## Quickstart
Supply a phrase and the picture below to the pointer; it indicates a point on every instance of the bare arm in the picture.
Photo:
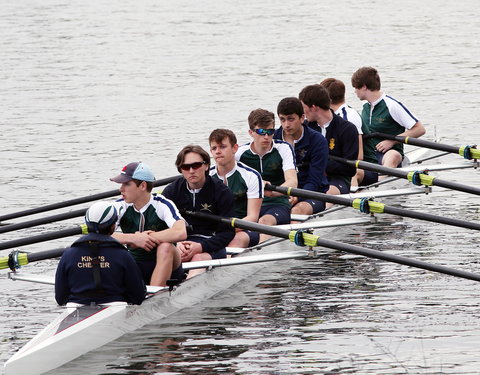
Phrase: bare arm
(149, 239)
(290, 181)
(178, 232)
(253, 209)
(416, 131)
(360, 147)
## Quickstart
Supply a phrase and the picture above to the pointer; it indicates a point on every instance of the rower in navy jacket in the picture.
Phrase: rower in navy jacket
(197, 191)
(311, 154)
(97, 268)
(341, 136)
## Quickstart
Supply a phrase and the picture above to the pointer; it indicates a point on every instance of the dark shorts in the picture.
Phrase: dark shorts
(147, 267)
(281, 213)
(219, 254)
(369, 178)
(341, 184)
(254, 238)
(380, 155)
(317, 206)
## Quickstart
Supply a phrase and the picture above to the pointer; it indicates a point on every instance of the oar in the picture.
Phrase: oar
(468, 152)
(45, 220)
(81, 229)
(367, 206)
(16, 259)
(308, 239)
(418, 178)
(72, 202)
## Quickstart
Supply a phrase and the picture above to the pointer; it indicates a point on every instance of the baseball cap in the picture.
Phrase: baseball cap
(136, 170)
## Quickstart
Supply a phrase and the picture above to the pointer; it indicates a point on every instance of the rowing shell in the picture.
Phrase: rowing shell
(81, 329)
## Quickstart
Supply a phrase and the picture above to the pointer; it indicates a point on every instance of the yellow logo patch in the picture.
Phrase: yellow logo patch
(331, 144)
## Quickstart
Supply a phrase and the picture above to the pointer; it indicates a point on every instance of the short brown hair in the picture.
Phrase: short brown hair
(336, 90)
(366, 76)
(218, 135)
(315, 95)
(261, 118)
(149, 184)
(191, 148)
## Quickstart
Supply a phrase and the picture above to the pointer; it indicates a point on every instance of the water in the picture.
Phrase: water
(90, 86)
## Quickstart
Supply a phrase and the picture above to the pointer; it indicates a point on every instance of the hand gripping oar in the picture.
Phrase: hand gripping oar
(16, 259)
(468, 152)
(417, 178)
(367, 206)
(307, 239)
(81, 229)
(72, 202)
(44, 220)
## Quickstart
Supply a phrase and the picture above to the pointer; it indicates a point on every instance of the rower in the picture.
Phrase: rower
(275, 161)
(341, 136)
(149, 225)
(311, 154)
(384, 114)
(197, 191)
(336, 91)
(97, 268)
(245, 183)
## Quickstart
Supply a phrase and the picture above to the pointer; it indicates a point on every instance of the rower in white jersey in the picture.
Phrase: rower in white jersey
(244, 182)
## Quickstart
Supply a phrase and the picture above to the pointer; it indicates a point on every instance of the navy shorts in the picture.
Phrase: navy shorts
(317, 206)
(281, 213)
(254, 238)
(369, 178)
(147, 266)
(341, 184)
(219, 254)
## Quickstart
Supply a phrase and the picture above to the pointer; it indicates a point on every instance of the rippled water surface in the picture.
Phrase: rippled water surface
(90, 86)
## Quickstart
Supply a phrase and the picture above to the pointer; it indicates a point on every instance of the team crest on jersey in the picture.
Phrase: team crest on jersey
(302, 152)
(206, 207)
(331, 144)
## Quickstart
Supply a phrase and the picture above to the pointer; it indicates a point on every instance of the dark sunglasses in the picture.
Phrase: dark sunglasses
(264, 131)
(196, 165)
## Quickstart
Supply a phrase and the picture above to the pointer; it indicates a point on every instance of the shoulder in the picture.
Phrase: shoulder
(243, 148)
(282, 145)
(245, 169)
(309, 133)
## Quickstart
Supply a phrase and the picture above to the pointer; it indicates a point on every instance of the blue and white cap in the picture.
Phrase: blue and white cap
(99, 216)
(136, 170)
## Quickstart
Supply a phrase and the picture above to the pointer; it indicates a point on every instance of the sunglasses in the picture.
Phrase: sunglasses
(196, 165)
(264, 131)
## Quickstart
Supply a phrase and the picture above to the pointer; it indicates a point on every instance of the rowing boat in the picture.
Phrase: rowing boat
(81, 329)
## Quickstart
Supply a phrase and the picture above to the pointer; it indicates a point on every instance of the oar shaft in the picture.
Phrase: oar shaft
(45, 220)
(72, 202)
(43, 237)
(384, 208)
(243, 224)
(428, 180)
(427, 144)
